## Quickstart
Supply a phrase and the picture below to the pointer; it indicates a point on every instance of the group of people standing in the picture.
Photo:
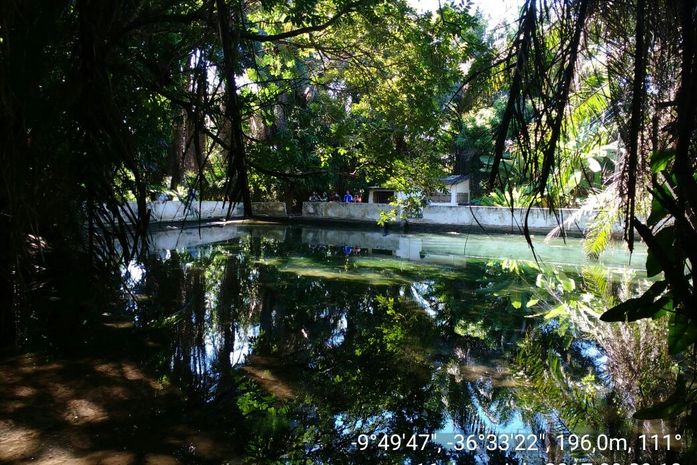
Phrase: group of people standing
(347, 197)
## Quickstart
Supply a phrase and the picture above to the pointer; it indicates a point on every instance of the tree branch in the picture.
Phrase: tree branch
(279, 174)
(248, 35)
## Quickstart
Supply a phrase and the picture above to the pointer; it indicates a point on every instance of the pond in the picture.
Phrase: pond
(315, 345)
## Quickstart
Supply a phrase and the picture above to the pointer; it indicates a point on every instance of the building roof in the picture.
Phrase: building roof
(453, 179)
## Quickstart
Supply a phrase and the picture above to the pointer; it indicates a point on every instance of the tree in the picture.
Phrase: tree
(651, 52)
(330, 106)
(102, 102)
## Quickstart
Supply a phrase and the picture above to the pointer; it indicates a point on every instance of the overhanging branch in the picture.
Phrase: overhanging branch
(248, 35)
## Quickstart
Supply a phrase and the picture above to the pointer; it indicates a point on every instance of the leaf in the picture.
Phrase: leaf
(539, 281)
(594, 165)
(574, 179)
(563, 331)
(682, 333)
(637, 309)
(531, 302)
(644, 306)
(568, 284)
(668, 409)
(516, 304)
(555, 365)
(599, 233)
(661, 159)
(652, 266)
(658, 212)
(555, 312)
(664, 238)
(460, 328)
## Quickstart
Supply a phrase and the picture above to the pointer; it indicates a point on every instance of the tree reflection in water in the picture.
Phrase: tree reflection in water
(296, 350)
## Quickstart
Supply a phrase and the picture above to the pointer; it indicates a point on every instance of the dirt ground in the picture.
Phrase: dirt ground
(97, 410)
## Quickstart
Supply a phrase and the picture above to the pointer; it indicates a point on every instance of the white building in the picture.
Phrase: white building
(377, 194)
(457, 192)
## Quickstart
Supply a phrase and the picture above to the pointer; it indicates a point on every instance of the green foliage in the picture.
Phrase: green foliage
(565, 106)
(268, 424)
(600, 231)
(672, 407)
(332, 106)
(573, 307)
(98, 118)
(509, 196)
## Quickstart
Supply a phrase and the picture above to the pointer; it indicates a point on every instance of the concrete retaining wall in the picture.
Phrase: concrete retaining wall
(495, 219)
(172, 210)
(504, 219)
(498, 219)
(364, 212)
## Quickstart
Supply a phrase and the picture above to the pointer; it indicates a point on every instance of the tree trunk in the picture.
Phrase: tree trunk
(237, 182)
(7, 302)
(176, 150)
(467, 163)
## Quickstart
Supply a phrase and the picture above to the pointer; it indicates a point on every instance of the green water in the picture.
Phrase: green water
(311, 345)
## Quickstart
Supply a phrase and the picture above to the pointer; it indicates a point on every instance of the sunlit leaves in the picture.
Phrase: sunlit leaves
(594, 165)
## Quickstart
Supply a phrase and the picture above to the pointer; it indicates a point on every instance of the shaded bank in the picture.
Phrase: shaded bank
(103, 406)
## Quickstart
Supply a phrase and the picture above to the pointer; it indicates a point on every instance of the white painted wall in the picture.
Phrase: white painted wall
(502, 218)
(462, 187)
(371, 194)
(173, 210)
(345, 211)
(459, 188)
(493, 218)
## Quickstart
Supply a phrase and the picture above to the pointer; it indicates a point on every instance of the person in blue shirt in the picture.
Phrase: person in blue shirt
(348, 198)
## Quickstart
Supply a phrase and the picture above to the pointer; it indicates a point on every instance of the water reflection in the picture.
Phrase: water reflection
(298, 345)
(447, 249)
